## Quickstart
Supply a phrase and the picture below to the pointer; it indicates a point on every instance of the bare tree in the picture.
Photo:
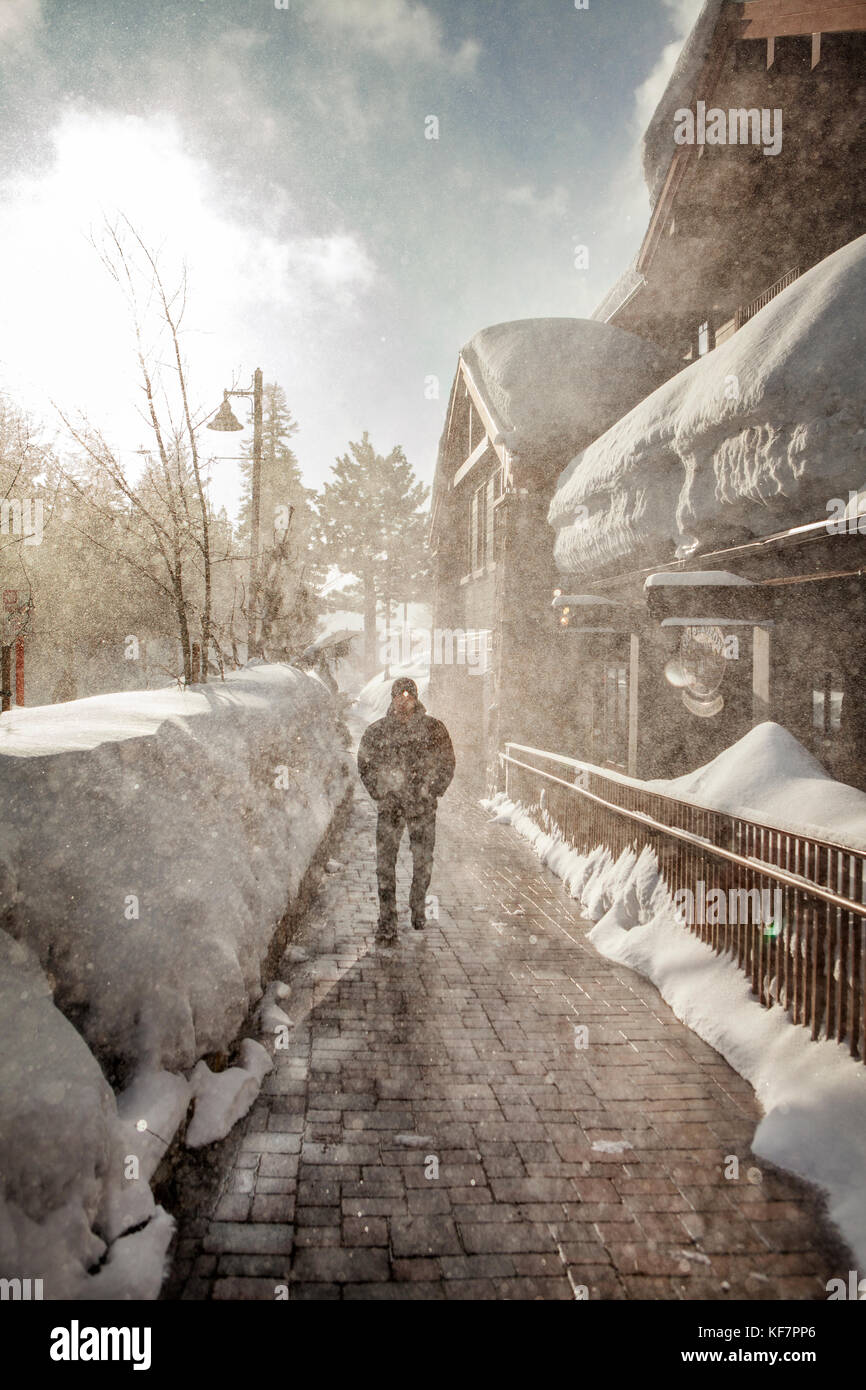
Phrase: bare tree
(163, 514)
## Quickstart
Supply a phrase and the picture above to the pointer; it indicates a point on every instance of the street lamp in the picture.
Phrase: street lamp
(225, 420)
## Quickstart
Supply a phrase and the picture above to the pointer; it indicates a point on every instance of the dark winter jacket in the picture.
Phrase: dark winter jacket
(410, 760)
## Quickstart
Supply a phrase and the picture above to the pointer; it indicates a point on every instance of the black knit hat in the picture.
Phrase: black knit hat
(401, 684)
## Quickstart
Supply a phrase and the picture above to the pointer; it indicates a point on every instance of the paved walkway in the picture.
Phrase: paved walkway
(434, 1132)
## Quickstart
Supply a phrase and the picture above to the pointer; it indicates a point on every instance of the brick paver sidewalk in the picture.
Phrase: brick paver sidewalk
(433, 1131)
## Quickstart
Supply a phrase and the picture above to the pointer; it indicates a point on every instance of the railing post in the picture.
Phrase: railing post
(813, 963)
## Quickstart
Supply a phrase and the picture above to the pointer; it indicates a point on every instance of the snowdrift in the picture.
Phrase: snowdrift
(151, 843)
(152, 840)
(813, 1094)
(767, 775)
(57, 1126)
(374, 699)
(756, 436)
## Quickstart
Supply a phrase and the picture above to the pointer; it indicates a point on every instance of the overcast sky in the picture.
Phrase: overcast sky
(281, 154)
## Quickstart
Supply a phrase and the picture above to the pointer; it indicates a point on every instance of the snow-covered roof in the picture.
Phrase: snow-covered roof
(755, 437)
(695, 579)
(658, 146)
(552, 383)
(619, 294)
(586, 601)
(658, 141)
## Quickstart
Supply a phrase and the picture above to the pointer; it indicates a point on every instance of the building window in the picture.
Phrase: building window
(827, 696)
(481, 522)
(475, 530)
(616, 715)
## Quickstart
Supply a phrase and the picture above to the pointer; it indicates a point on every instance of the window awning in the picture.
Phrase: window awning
(707, 598)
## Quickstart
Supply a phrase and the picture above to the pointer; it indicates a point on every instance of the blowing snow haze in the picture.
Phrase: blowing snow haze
(432, 686)
(285, 155)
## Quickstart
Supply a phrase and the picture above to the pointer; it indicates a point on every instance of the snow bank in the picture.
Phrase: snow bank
(554, 382)
(62, 1179)
(153, 840)
(768, 776)
(813, 1094)
(222, 1098)
(374, 699)
(756, 436)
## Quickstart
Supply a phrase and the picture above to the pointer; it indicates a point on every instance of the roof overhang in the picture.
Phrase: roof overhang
(708, 598)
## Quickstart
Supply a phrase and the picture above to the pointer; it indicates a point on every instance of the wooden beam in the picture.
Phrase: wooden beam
(661, 211)
(768, 19)
(491, 425)
(480, 448)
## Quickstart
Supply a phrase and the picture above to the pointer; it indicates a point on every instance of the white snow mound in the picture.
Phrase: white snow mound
(769, 776)
(152, 842)
(754, 437)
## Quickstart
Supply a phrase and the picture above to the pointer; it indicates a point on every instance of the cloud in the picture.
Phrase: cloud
(19, 20)
(396, 30)
(552, 205)
(648, 95)
(64, 332)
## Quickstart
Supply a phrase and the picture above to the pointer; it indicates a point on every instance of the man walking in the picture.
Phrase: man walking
(406, 762)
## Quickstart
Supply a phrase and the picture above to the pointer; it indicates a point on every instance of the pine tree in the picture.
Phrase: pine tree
(290, 572)
(373, 526)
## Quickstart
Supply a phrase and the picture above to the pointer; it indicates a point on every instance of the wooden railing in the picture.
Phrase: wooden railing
(809, 957)
(748, 311)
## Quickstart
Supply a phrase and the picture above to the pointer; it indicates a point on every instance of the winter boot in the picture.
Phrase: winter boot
(386, 932)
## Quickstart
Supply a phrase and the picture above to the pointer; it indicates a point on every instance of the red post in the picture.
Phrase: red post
(19, 671)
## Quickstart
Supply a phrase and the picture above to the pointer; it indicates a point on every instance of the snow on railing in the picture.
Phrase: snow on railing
(807, 953)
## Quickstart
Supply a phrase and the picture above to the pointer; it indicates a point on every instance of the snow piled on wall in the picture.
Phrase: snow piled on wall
(756, 436)
(151, 843)
(813, 1094)
(552, 383)
(375, 698)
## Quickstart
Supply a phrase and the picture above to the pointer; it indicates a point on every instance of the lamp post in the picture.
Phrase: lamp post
(226, 420)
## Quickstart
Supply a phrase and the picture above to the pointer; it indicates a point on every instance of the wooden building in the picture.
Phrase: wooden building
(710, 518)
(731, 225)
(525, 397)
(701, 587)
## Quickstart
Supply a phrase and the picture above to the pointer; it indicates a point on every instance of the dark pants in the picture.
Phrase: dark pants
(393, 819)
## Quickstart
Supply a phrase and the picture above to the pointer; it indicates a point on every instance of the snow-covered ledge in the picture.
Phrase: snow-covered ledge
(757, 435)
